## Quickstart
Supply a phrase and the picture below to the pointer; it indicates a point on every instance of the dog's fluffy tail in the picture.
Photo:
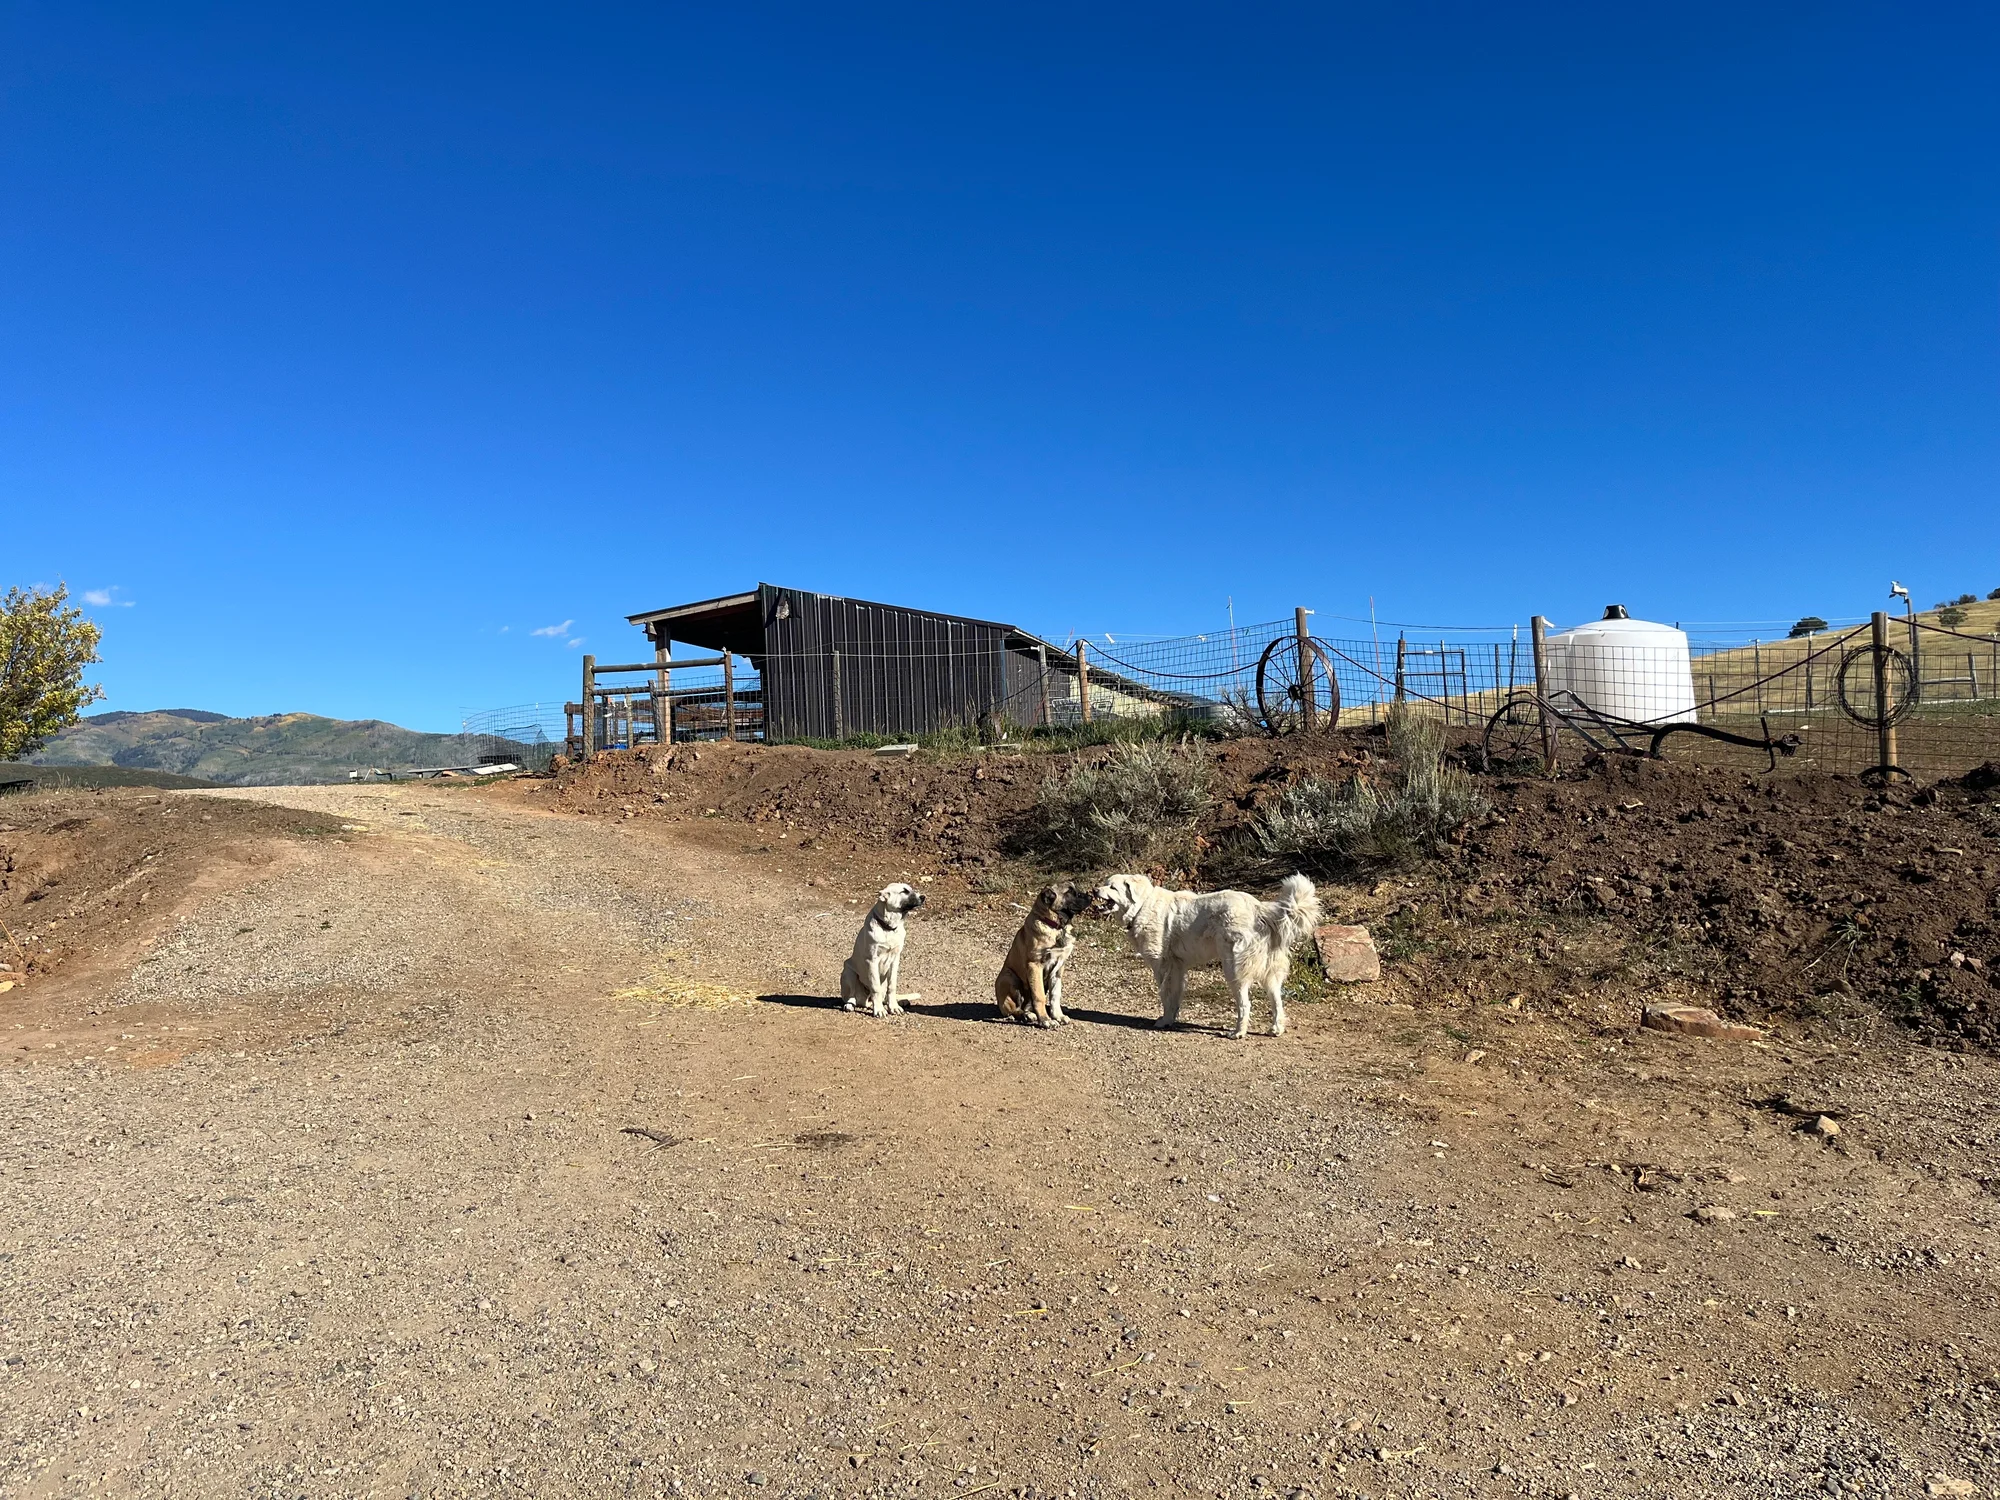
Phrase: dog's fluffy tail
(1293, 915)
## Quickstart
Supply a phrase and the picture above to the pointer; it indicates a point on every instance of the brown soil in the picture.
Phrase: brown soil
(1803, 899)
(401, 1241)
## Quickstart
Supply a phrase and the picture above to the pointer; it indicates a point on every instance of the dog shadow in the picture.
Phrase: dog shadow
(956, 1010)
(980, 1012)
(1109, 1018)
(802, 1002)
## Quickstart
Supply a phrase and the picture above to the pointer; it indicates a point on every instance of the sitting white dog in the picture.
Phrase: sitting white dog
(870, 976)
(1250, 940)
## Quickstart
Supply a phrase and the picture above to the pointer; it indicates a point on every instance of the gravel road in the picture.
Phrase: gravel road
(331, 1192)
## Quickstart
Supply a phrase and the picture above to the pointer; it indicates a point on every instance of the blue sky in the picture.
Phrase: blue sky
(343, 351)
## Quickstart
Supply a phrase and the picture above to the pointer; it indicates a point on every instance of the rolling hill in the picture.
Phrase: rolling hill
(278, 750)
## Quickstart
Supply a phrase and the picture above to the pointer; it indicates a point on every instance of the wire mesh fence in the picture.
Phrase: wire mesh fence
(1904, 694)
(529, 734)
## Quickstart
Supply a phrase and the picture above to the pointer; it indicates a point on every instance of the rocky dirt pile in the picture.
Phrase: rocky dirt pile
(83, 872)
(1773, 896)
(1799, 898)
(965, 811)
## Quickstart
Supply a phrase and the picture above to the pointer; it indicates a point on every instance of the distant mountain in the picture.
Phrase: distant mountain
(282, 749)
(197, 715)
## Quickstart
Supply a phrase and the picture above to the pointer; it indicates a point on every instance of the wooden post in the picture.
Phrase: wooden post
(1538, 629)
(663, 705)
(839, 718)
(1083, 677)
(1308, 699)
(1444, 678)
(1757, 658)
(1972, 675)
(589, 706)
(1042, 664)
(570, 745)
(1916, 655)
(728, 697)
(1402, 649)
(1885, 731)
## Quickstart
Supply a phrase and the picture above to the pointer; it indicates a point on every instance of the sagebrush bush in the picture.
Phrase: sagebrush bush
(1141, 802)
(1360, 824)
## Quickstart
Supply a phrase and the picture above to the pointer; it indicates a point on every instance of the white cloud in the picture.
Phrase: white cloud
(577, 642)
(102, 598)
(554, 630)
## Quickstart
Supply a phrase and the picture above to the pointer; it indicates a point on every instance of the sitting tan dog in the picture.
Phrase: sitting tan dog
(1032, 975)
(870, 976)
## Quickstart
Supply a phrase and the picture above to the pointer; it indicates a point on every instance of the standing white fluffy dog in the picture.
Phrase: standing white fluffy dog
(870, 976)
(1250, 940)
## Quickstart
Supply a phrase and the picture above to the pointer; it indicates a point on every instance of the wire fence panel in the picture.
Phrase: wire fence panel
(528, 733)
(1924, 700)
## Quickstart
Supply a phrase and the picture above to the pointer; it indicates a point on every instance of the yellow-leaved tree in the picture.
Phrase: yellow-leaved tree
(45, 643)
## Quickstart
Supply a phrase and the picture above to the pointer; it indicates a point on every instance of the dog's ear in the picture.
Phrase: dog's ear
(888, 894)
(1051, 895)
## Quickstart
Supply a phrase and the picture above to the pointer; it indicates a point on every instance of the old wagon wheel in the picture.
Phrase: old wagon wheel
(1290, 700)
(1856, 686)
(1513, 737)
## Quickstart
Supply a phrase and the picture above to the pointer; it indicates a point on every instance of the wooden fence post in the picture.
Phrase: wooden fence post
(1083, 677)
(589, 706)
(1538, 629)
(1042, 663)
(1885, 729)
(1402, 649)
(1307, 698)
(663, 704)
(728, 697)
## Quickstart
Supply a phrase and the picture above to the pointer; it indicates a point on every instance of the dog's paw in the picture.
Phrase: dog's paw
(1163, 1024)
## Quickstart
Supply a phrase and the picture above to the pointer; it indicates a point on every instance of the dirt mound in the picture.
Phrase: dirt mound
(964, 811)
(1776, 895)
(82, 873)
(1806, 897)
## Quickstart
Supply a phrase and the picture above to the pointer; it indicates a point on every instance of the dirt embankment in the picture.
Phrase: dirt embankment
(88, 874)
(1809, 899)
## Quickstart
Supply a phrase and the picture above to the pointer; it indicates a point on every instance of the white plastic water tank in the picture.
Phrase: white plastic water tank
(1624, 668)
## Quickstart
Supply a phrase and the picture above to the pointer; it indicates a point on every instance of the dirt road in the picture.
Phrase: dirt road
(326, 1189)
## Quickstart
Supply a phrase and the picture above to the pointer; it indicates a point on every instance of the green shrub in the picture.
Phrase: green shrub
(1951, 617)
(1807, 626)
(1361, 824)
(1140, 803)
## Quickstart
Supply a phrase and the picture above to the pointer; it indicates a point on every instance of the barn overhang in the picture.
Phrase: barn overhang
(733, 623)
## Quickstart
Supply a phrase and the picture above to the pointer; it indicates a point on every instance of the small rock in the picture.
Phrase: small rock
(1825, 1128)
(1941, 1484)
(1630, 1264)
(1347, 954)
(1714, 1213)
(755, 1476)
(1696, 1020)
(1474, 1055)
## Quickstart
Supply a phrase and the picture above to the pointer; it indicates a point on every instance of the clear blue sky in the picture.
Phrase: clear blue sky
(328, 335)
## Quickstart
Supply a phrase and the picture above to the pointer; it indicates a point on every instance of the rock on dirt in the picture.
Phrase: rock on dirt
(1697, 1020)
(1347, 953)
